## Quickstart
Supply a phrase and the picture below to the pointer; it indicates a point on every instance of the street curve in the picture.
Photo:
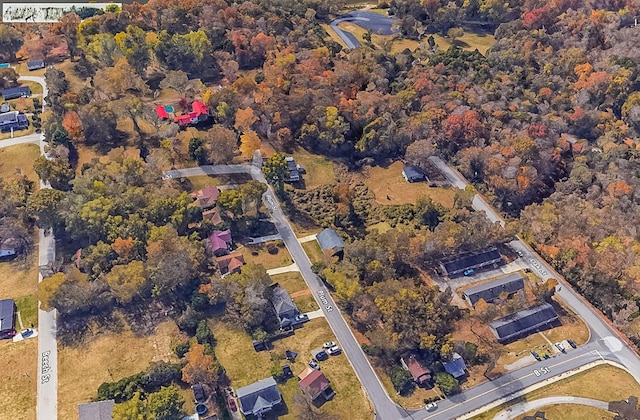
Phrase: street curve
(519, 409)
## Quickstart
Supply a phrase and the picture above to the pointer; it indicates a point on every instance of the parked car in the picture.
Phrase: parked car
(560, 347)
(431, 406)
(302, 318)
(535, 355)
(314, 364)
(232, 404)
(519, 253)
(27, 333)
(321, 355)
(468, 272)
(545, 356)
(334, 351)
(572, 343)
(329, 344)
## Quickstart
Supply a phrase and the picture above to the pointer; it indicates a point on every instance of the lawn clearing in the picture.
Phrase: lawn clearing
(75, 83)
(306, 303)
(258, 254)
(333, 35)
(292, 282)
(571, 411)
(195, 183)
(108, 357)
(18, 374)
(19, 158)
(319, 170)
(469, 41)
(28, 308)
(36, 88)
(389, 187)
(312, 248)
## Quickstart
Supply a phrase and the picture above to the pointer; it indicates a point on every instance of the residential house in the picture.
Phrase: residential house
(206, 197)
(259, 397)
(459, 264)
(329, 241)
(7, 318)
(419, 373)
(294, 174)
(315, 385)
(231, 263)
(13, 120)
(200, 113)
(219, 242)
(162, 113)
(492, 290)
(524, 322)
(212, 215)
(17, 92)
(99, 410)
(35, 64)
(456, 367)
(286, 309)
(412, 173)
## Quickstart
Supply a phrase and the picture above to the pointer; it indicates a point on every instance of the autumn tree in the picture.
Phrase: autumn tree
(134, 45)
(73, 125)
(201, 368)
(127, 281)
(249, 143)
(276, 172)
(10, 42)
(43, 205)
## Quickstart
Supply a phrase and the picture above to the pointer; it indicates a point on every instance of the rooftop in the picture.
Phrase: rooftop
(463, 262)
(329, 240)
(492, 290)
(525, 321)
(259, 396)
(99, 410)
(456, 367)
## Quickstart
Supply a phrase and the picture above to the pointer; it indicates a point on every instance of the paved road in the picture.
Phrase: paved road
(31, 138)
(47, 401)
(519, 409)
(385, 408)
(375, 22)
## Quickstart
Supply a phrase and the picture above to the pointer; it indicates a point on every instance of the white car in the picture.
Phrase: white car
(334, 351)
(329, 344)
(431, 406)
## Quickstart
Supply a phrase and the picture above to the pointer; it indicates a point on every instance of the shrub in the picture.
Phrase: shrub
(182, 349)
(402, 380)
(447, 384)
(204, 335)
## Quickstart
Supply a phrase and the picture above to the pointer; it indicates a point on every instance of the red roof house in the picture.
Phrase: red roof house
(200, 113)
(231, 263)
(162, 112)
(219, 242)
(316, 386)
(419, 373)
(207, 196)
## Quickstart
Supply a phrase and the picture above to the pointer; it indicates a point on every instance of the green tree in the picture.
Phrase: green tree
(402, 380)
(133, 43)
(447, 383)
(231, 201)
(276, 172)
(10, 42)
(252, 195)
(166, 404)
(43, 205)
(127, 281)
(48, 287)
(57, 172)
(198, 150)
(204, 335)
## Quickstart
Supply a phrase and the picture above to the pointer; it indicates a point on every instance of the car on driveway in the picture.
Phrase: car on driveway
(302, 318)
(27, 333)
(334, 351)
(535, 355)
(431, 406)
(314, 364)
(329, 344)
(468, 272)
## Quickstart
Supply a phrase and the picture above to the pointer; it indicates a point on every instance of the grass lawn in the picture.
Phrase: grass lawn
(389, 187)
(292, 282)
(108, 357)
(19, 280)
(36, 88)
(306, 303)
(245, 366)
(75, 83)
(18, 374)
(469, 41)
(319, 170)
(28, 307)
(571, 411)
(268, 261)
(19, 158)
(312, 248)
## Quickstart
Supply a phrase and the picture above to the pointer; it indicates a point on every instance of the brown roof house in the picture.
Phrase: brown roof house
(212, 215)
(315, 385)
(231, 263)
(206, 197)
(419, 373)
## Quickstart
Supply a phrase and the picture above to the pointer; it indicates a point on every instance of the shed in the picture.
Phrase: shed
(4, 107)
(329, 241)
(99, 410)
(524, 322)
(456, 367)
(259, 397)
(412, 173)
(472, 261)
(7, 318)
(492, 290)
(17, 92)
(35, 65)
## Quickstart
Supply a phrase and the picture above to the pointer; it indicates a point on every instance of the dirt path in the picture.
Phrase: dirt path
(306, 292)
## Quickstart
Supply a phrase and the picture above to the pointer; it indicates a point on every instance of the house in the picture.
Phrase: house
(419, 373)
(315, 385)
(206, 197)
(330, 242)
(457, 265)
(412, 173)
(456, 367)
(294, 174)
(99, 410)
(17, 92)
(13, 120)
(491, 291)
(200, 113)
(524, 322)
(7, 318)
(286, 309)
(162, 113)
(259, 397)
(231, 263)
(219, 242)
(212, 215)
(35, 65)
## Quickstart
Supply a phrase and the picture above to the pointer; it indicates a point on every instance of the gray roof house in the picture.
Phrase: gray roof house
(492, 290)
(7, 318)
(259, 397)
(329, 241)
(524, 322)
(456, 367)
(459, 264)
(99, 410)
(412, 173)
(13, 120)
(35, 64)
(285, 308)
(16, 92)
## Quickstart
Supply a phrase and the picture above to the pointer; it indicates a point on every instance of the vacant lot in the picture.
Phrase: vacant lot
(258, 254)
(18, 374)
(108, 357)
(389, 187)
(292, 281)
(20, 159)
(319, 170)
(313, 251)
(571, 411)
(244, 366)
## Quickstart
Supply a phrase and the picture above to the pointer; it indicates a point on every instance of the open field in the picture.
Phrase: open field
(244, 366)
(312, 248)
(571, 411)
(75, 83)
(18, 280)
(469, 41)
(389, 187)
(19, 158)
(108, 357)
(268, 261)
(18, 374)
(36, 88)
(319, 170)
(292, 281)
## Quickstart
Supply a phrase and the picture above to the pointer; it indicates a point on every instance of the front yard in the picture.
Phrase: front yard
(259, 254)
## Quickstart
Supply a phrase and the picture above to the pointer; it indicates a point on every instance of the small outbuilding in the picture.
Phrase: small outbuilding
(412, 173)
(259, 397)
(330, 242)
(7, 318)
(99, 410)
(35, 65)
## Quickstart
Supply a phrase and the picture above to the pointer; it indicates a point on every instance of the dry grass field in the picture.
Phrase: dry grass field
(292, 281)
(571, 411)
(18, 374)
(313, 251)
(18, 158)
(319, 170)
(268, 261)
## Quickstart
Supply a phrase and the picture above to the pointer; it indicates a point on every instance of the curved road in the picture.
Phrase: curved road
(521, 408)
(375, 22)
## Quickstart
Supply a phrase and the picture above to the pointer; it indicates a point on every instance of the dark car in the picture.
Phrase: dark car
(27, 333)
(535, 355)
(545, 356)
(572, 343)
(321, 355)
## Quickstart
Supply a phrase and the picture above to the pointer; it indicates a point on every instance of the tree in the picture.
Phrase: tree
(127, 281)
(245, 118)
(276, 172)
(252, 192)
(134, 45)
(8, 78)
(200, 368)
(402, 380)
(166, 404)
(119, 80)
(177, 80)
(221, 144)
(231, 201)
(57, 172)
(48, 287)
(43, 205)
(10, 42)
(447, 383)
(454, 34)
(250, 142)
(204, 335)
(73, 126)
(67, 26)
